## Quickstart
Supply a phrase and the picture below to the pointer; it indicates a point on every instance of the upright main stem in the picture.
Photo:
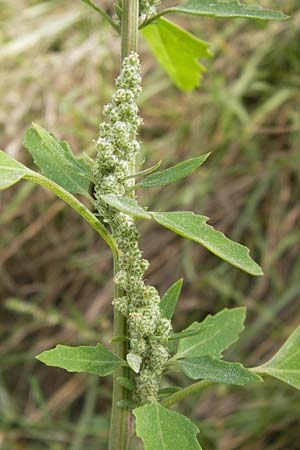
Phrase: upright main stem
(120, 417)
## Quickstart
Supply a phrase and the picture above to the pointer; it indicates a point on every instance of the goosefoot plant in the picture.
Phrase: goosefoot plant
(143, 336)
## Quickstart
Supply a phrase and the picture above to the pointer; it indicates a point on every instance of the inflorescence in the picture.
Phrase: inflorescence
(117, 148)
(147, 9)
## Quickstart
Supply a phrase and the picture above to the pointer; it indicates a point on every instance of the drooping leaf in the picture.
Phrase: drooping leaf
(231, 8)
(169, 299)
(174, 173)
(194, 227)
(285, 364)
(178, 52)
(56, 160)
(134, 362)
(11, 171)
(126, 205)
(163, 429)
(219, 332)
(213, 369)
(92, 359)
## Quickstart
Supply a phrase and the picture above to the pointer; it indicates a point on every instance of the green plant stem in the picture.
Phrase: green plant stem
(129, 27)
(189, 390)
(75, 204)
(102, 12)
(120, 417)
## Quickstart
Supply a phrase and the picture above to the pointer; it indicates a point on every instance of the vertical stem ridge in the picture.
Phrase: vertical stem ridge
(129, 27)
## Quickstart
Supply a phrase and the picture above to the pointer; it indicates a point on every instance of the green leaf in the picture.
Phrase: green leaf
(145, 171)
(194, 227)
(177, 51)
(126, 383)
(163, 429)
(11, 171)
(126, 205)
(174, 173)
(169, 299)
(232, 8)
(219, 332)
(213, 369)
(186, 333)
(134, 362)
(285, 364)
(56, 160)
(92, 359)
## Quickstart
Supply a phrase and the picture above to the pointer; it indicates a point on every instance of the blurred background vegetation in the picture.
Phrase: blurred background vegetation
(58, 61)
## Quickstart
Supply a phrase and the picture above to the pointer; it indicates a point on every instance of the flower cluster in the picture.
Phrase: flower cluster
(117, 148)
(147, 9)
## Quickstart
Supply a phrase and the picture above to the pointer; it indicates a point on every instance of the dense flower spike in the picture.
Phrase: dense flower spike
(117, 148)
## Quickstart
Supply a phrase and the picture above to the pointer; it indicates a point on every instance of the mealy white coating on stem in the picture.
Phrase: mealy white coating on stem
(117, 148)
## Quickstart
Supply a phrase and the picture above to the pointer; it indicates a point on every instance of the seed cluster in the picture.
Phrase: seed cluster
(117, 148)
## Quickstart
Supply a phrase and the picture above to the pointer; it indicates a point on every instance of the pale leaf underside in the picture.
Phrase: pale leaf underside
(213, 369)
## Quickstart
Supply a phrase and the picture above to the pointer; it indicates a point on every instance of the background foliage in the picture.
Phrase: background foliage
(57, 63)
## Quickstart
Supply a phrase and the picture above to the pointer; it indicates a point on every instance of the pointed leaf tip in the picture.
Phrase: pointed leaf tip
(170, 298)
(194, 227)
(91, 359)
(215, 334)
(213, 369)
(174, 173)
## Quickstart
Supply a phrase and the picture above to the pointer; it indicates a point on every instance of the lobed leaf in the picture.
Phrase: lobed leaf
(169, 299)
(174, 173)
(224, 9)
(194, 227)
(212, 369)
(177, 51)
(92, 359)
(219, 332)
(126, 205)
(163, 429)
(285, 364)
(11, 171)
(56, 160)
